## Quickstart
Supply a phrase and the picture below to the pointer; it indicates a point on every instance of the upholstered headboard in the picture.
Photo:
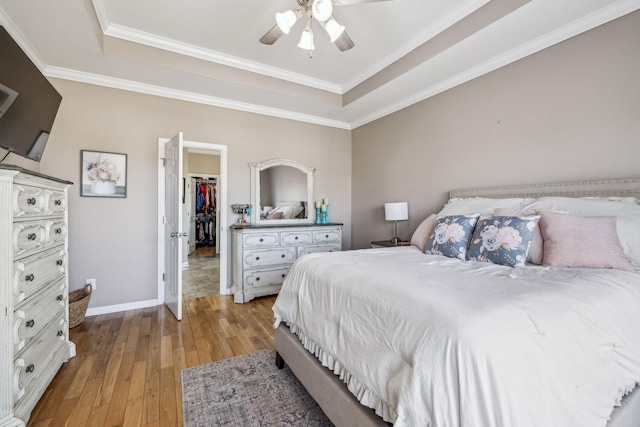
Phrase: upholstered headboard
(618, 188)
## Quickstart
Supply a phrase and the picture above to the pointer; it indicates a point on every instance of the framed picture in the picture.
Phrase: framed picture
(103, 174)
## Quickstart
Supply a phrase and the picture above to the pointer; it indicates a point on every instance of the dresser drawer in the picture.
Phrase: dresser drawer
(32, 363)
(28, 237)
(327, 236)
(258, 278)
(32, 273)
(55, 202)
(33, 316)
(320, 248)
(257, 240)
(28, 200)
(269, 257)
(295, 237)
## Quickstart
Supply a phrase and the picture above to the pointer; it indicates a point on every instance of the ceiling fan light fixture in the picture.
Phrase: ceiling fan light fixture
(306, 40)
(334, 29)
(322, 9)
(286, 20)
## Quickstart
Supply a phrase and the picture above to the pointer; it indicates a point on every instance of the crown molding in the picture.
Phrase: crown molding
(132, 86)
(153, 40)
(579, 26)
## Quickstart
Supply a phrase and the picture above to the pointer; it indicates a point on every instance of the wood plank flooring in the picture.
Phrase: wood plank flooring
(127, 368)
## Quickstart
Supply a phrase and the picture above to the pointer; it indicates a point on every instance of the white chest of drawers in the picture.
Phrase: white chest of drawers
(34, 333)
(262, 255)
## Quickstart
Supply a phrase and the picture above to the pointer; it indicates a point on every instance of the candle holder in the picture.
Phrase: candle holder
(318, 215)
(325, 215)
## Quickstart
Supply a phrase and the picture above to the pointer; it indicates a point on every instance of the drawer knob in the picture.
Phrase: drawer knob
(326, 236)
(30, 368)
(257, 279)
(296, 237)
(60, 333)
(32, 236)
(58, 230)
(59, 297)
(31, 201)
(257, 258)
(283, 255)
(262, 240)
(29, 277)
(30, 323)
(59, 262)
(58, 202)
(283, 275)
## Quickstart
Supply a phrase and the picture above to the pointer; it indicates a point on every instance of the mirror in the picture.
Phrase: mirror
(281, 192)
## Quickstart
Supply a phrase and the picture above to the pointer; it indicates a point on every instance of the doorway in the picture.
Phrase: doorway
(201, 216)
(221, 233)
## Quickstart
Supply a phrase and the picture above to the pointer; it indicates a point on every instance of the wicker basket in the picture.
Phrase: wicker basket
(78, 303)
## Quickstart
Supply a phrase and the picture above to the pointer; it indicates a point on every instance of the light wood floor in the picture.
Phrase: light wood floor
(128, 365)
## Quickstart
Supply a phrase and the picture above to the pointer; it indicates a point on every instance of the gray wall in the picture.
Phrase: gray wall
(570, 112)
(115, 240)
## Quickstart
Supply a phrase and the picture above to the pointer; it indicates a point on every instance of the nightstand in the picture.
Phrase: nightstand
(388, 244)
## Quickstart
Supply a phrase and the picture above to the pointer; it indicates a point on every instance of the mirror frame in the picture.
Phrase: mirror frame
(256, 168)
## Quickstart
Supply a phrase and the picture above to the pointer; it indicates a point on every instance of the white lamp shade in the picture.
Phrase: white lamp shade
(306, 41)
(285, 20)
(398, 211)
(334, 29)
(322, 9)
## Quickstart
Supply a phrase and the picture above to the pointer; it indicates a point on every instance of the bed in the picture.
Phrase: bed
(433, 340)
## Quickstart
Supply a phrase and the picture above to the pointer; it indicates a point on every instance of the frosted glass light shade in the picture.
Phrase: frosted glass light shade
(398, 211)
(306, 41)
(334, 29)
(285, 20)
(322, 9)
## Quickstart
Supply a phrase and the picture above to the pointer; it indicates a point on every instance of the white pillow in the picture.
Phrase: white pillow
(627, 214)
(479, 205)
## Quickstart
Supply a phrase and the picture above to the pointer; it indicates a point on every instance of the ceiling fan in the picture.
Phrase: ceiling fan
(322, 12)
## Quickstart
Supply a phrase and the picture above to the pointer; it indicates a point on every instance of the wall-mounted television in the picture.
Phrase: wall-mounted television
(28, 102)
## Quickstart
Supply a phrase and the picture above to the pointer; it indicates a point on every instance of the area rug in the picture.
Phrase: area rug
(247, 391)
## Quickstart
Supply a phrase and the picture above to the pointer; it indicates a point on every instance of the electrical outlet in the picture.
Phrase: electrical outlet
(92, 282)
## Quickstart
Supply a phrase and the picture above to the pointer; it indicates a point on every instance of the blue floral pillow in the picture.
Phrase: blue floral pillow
(450, 236)
(502, 240)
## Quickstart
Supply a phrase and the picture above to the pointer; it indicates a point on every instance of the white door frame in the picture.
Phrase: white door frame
(222, 201)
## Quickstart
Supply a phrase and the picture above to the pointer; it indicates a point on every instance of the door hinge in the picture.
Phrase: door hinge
(163, 277)
(164, 162)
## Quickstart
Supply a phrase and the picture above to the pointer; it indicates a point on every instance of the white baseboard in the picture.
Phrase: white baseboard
(95, 311)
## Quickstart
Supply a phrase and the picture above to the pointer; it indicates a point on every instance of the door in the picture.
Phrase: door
(172, 225)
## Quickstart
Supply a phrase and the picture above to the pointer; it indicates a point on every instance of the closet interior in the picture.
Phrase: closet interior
(205, 212)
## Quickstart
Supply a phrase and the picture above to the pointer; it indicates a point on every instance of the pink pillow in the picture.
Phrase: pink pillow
(534, 255)
(422, 233)
(581, 241)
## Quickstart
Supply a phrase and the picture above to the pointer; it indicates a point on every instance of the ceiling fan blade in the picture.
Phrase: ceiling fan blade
(272, 35)
(346, 2)
(344, 42)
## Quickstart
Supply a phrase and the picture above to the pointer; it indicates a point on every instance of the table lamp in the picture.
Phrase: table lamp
(397, 211)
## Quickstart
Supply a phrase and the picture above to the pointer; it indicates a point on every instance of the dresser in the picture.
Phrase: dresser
(33, 289)
(263, 254)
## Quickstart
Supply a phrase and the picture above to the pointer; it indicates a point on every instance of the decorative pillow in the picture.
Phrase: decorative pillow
(422, 233)
(502, 240)
(627, 214)
(275, 215)
(581, 241)
(534, 256)
(450, 235)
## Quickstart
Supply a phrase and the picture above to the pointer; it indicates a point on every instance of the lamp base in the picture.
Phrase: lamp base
(395, 240)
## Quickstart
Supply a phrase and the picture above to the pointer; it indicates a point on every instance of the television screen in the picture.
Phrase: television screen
(28, 102)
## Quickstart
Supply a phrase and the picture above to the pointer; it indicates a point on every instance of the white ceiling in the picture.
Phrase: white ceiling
(208, 51)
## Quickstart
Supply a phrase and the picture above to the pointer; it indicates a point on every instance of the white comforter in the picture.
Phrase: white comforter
(433, 341)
